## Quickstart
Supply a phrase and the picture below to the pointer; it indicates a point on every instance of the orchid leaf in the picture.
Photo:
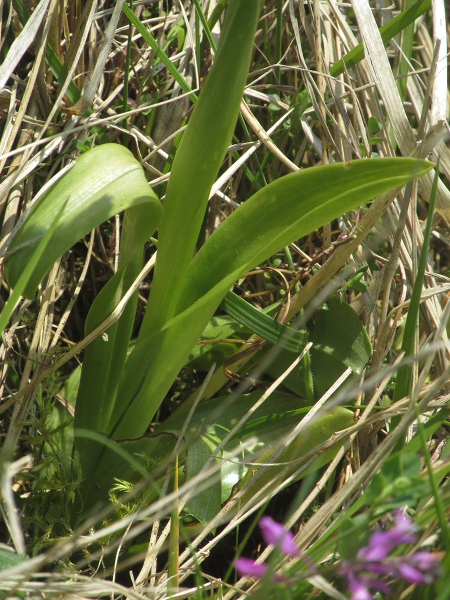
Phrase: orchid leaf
(104, 181)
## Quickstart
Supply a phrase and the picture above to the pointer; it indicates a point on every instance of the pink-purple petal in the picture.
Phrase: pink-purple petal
(276, 535)
(246, 567)
(358, 590)
(410, 573)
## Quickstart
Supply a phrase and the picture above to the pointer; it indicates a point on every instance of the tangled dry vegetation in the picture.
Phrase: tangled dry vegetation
(76, 74)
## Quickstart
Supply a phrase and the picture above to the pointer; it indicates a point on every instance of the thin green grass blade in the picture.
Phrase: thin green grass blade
(218, 10)
(405, 54)
(278, 38)
(205, 25)
(440, 509)
(174, 540)
(404, 375)
(388, 31)
(159, 52)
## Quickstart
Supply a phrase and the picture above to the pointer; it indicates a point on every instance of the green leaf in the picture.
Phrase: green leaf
(263, 325)
(353, 535)
(289, 461)
(8, 558)
(26, 275)
(103, 182)
(205, 505)
(275, 216)
(373, 125)
(339, 341)
(198, 160)
(337, 329)
(286, 210)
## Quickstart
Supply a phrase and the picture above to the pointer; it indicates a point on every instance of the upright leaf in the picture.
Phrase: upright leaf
(198, 160)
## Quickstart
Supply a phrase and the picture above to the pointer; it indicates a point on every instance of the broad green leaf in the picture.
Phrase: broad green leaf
(286, 210)
(198, 160)
(289, 461)
(28, 270)
(275, 216)
(105, 356)
(9, 558)
(339, 341)
(326, 368)
(206, 504)
(215, 417)
(104, 181)
(338, 329)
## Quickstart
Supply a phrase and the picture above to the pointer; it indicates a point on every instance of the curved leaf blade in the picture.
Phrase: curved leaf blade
(285, 211)
(104, 181)
(274, 217)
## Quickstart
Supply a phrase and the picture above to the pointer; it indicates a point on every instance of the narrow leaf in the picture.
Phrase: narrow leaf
(198, 160)
(404, 375)
(263, 325)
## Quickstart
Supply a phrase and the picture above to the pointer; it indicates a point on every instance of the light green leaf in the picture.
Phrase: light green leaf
(275, 216)
(338, 329)
(205, 505)
(198, 159)
(339, 341)
(27, 273)
(8, 558)
(289, 461)
(104, 181)
(286, 210)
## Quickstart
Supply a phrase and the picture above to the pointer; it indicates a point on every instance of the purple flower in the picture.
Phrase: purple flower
(381, 543)
(418, 568)
(276, 535)
(358, 590)
(246, 567)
